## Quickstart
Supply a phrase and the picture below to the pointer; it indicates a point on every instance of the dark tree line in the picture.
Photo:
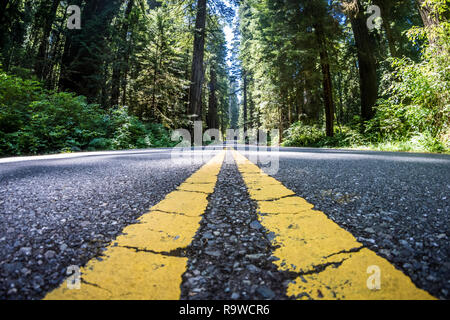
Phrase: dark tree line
(159, 58)
(297, 64)
(317, 61)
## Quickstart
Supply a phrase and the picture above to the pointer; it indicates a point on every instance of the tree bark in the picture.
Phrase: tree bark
(197, 73)
(386, 8)
(212, 105)
(48, 11)
(251, 109)
(56, 50)
(245, 108)
(366, 61)
(326, 81)
(3, 5)
(300, 99)
(281, 125)
(121, 57)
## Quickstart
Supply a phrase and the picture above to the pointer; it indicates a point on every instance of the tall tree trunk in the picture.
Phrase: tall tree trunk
(251, 110)
(121, 55)
(301, 99)
(3, 5)
(289, 102)
(339, 116)
(386, 8)
(212, 105)
(13, 24)
(245, 106)
(197, 73)
(326, 80)
(366, 60)
(391, 39)
(3, 27)
(48, 12)
(155, 78)
(55, 54)
(124, 77)
(281, 125)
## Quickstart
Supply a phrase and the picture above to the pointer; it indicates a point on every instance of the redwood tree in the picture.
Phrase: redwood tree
(367, 64)
(197, 72)
(212, 105)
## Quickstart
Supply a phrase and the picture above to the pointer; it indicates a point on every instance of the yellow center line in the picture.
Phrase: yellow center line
(139, 263)
(329, 261)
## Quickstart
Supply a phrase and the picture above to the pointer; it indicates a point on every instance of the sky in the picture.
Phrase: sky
(229, 36)
(228, 29)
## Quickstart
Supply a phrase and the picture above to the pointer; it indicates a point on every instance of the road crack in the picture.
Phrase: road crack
(179, 252)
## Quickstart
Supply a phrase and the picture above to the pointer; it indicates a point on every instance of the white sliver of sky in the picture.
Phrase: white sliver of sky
(229, 37)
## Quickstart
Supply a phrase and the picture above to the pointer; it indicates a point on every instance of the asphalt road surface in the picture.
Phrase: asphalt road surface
(209, 224)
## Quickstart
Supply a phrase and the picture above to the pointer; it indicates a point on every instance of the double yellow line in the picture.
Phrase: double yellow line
(140, 264)
(330, 263)
(144, 262)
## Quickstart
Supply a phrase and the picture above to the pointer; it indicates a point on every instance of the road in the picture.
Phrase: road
(209, 224)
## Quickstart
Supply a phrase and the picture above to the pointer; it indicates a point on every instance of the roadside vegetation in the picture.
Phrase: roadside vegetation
(342, 84)
(37, 121)
(413, 113)
(325, 73)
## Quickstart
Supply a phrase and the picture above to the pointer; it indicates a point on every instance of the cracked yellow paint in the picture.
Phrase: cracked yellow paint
(125, 274)
(267, 193)
(291, 205)
(160, 232)
(306, 239)
(349, 281)
(139, 263)
(329, 261)
(183, 202)
(199, 187)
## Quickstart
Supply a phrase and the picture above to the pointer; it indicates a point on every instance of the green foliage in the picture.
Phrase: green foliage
(33, 121)
(16, 95)
(99, 144)
(129, 132)
(134, 53)
(159, 64)
(160, 136)
(301, 135)
(140, 56)
(60, 121)
(417, 108)
(414, 111)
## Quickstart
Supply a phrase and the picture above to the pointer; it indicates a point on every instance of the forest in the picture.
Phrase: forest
(123, 74)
